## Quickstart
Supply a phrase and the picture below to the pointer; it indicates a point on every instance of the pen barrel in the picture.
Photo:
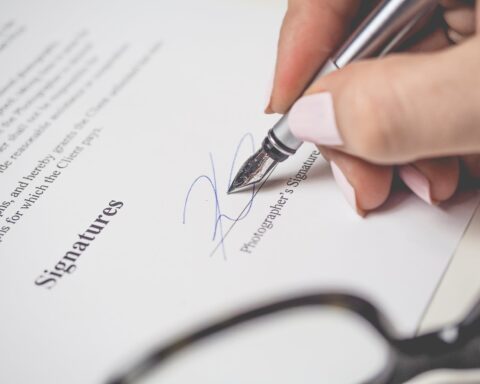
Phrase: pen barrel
(382, 31)
(384, 28)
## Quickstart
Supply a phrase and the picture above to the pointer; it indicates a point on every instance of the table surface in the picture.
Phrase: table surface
(456, 293)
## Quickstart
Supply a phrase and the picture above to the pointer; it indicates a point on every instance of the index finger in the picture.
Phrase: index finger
(311, 30)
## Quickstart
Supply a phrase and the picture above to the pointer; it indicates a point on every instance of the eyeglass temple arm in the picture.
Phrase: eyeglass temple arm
(339, 300)
(454, 347)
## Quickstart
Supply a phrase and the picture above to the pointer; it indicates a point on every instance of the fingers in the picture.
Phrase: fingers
(390, 105)
(433, 180)
(461, 20)
(365, 186)
(398, 109)
(472, 166)
(312, 29)
(310, 32)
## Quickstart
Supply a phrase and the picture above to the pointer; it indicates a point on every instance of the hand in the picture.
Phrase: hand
(417, 112)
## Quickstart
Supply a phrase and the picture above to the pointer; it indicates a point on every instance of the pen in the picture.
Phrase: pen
(384, 28)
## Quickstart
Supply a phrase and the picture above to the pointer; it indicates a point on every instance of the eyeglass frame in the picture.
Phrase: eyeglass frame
(455, 346)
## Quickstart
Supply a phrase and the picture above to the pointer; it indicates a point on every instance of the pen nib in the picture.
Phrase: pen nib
(255, 169)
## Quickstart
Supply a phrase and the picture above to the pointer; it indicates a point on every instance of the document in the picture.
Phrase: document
(122, 124)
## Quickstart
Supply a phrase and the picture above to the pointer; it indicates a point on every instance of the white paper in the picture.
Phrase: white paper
(131, 102)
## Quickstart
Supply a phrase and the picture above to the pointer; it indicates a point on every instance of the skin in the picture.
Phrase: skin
(419, 107)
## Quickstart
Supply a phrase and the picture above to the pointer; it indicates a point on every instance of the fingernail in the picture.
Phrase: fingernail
(455, 37)
(416, 181)
(312, 118)
(346, 188)
(268, 94)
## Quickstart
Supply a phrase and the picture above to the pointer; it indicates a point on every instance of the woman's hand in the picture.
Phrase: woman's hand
(419, 110)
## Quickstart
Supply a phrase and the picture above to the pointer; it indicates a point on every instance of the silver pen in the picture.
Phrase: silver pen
(382, 31)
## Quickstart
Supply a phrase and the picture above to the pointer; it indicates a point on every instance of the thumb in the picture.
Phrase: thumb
(397, 109)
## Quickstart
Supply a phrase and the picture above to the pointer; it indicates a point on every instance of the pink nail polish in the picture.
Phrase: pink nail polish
(346, 187)
(416, 181)
(312, 118)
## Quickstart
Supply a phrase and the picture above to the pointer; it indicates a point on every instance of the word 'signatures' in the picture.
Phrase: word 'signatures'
(68, 263)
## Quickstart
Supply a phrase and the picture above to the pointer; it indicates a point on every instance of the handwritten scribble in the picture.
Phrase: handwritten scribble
(219, 217)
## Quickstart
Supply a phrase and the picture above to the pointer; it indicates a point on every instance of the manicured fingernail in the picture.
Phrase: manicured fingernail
(268, 94)
(416, 181)
(312, 118)
(347, 189)
(455, 37)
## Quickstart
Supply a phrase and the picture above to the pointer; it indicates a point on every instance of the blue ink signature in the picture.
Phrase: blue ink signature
(219, 217)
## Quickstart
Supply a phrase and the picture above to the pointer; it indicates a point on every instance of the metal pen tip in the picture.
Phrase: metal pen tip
(255, 169)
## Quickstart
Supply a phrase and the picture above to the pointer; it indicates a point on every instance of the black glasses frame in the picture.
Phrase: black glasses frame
(451, 347)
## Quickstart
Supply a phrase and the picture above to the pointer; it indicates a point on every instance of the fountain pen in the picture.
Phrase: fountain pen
(382, 31)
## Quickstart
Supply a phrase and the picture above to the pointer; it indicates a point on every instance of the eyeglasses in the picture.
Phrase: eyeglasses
(318, 338)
